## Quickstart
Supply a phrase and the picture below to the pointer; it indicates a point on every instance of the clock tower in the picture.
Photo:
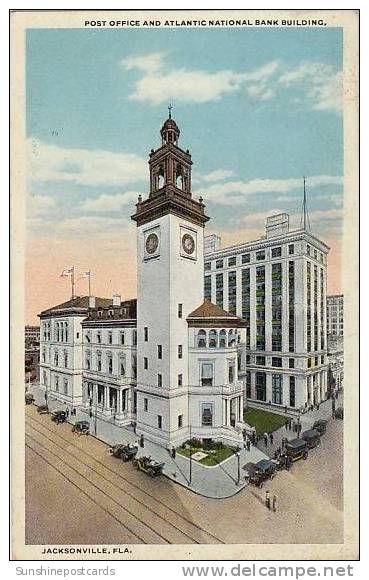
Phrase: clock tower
(170, 274)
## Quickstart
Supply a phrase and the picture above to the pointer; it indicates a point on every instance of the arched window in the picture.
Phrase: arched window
(65, 359)
(213, 339)
(66, 332)
(222, 339)
(201, 339)
(57, 332)
(231, 338)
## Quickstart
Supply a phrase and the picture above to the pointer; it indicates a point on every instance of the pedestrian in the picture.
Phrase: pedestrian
(142, 441)
(290, 424)
(317, 407)
(67, 412)
(267, 500)
(248, 444)
(253, 438)
(91, 413)
(271, 438)
(266, 439)
(285, 409)
(286, 424)
(274, 503)
(173, 452)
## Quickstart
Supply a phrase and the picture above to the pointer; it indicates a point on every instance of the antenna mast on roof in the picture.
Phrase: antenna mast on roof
(305, 221)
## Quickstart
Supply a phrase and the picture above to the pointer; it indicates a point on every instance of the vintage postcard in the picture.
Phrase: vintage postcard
(184, 285)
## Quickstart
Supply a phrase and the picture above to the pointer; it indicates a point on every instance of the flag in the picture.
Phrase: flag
(86, 274)
(67, 272)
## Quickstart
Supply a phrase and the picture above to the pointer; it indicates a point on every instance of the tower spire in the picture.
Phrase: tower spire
(305, 221)
(170, 107)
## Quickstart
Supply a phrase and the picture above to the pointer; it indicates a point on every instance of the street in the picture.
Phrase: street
(76, 492)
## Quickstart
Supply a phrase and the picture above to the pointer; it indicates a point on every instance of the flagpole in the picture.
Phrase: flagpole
(89, 283)
(72, 280)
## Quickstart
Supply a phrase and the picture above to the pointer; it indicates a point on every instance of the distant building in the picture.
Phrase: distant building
(277, 285)
(335, 315)
(32, 334)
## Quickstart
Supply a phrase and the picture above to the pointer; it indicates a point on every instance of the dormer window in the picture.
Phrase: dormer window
(111, 313)
(99, 313)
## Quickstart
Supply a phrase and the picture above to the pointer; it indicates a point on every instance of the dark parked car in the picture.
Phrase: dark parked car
(42, 409)
(312, 438)
(81, 427)
(59, 417)
(29, 398)
(149, 466)
(124, 452)
(296, 449)
(320, 425)
(338, 414)
(268, 467)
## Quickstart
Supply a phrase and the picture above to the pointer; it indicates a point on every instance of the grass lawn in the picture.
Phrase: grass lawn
(263, 421)
(214, 457)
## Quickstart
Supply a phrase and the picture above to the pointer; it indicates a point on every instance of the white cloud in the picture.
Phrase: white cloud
(147, 62)
(260, 92)
(39, 206)
(82, 166)
(235, 192)
(157, 86)
(321, 83)
(108, 203)
(217, 175)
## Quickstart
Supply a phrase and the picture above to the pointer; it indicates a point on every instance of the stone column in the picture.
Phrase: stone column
(119, 400)
(106, 397)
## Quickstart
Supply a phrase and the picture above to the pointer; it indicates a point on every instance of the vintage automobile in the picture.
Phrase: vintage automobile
(312, 438)
(320, 425)
(29, 398)
(296, 449)
(255, 475)
(81, 427)
(124, 452)
(42, 409)
(59, 417)
(267, 467)
(338, 414)
(283, 461)
(148, 465)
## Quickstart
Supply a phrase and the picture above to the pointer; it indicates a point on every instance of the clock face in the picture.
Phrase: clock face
(188, 244)
(152, 243)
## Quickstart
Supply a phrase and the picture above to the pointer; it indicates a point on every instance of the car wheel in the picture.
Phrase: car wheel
(261, 484)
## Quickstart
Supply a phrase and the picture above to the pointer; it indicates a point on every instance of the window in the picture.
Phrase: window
(207, 414)
(88, 337)
(146, 405)
(322, 359)
(291, 249)
(110, 364)
(291, 363)
(276, 361)
(277, 389)
(260, 360)
(180, 421)
(213, 339)
(111, 313)
(231, 372)
(99, 361)
(77, 335)
(122, 338)
(65, 386)
(122, 365)
(248, 359)
(146, 363)
(207, 287)
(201, 339)
(206, 375)
(309, 363)
(315, 254)
(180, 310)
(57, 384)
(134, 337)
(245, 258)
(66, 360)
(43, 355)
(56, 358)
(207, 266)
(292, 392)
(160, 380)
(180, 351)
(232, 261)
(160, 422)
(219, 264)
(308, 250)
(219, 290)
(222, 339)
(99, 337)
(260, 255)
(146, 334)
(276, 252)
(260, 384)
(110, 338)
(160, 351)
(180, 380)
(316, 361)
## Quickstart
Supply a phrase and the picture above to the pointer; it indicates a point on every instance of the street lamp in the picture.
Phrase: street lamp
(238, 454)
(190, 479)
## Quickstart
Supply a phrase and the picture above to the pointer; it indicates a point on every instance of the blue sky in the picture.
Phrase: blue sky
(258, 109)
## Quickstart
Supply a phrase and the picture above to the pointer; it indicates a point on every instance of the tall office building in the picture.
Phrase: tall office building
(277, 284)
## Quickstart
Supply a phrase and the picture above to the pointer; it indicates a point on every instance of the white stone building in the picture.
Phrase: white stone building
(335, 315)
(277, 284)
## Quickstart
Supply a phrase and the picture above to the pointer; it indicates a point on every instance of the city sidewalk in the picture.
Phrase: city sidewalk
(306, 419)
(216, 482)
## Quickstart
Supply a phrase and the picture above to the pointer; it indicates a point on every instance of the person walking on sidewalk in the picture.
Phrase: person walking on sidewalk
(142, 441)
(248, 444)
(271, 438)
(173, 453)
(67, 412)
(266, 439)
(287, 424)
(274, 503)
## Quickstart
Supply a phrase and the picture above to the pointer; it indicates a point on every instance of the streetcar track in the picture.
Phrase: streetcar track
(63, 475)
(103, 492)
(134, 485)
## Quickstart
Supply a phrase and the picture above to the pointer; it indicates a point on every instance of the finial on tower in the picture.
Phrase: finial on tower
(170, 107)
(305, 221)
